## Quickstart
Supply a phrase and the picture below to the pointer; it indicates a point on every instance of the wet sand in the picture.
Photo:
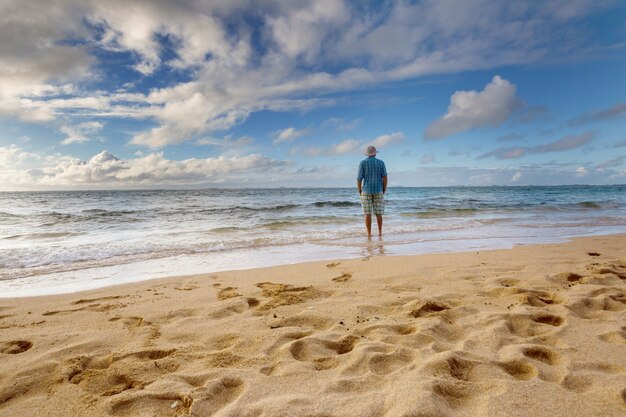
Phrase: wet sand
(536, 330)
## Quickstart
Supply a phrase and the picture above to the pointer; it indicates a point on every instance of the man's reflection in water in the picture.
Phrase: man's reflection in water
(374, 247)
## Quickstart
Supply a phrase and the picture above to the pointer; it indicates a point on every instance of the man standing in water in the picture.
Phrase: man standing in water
(372, 184)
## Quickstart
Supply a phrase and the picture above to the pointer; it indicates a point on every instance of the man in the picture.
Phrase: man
(372, 184)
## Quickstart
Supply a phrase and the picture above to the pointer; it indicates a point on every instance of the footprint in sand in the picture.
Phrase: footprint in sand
(532, 325)
(230, 308)
(15, 346)
(541, 354)
(454, 366)
(29, 381)
(132, 321)
(252, 302)
(216, 395)
(187, 288)
(538, 298)
(444, 333)
(91, 300)
(343, 277)
(111, 375)
(456, 394)
(182, 313)
(429, 308)
(386, 363)
(333, 265)
(206, 398)
(618, 337)
(569, 278)
(577, 383)
(518, 369)
(97, 307)
(320, 351)
(61, 312)
(285, 294)
(398, 335)
(382, 330)
(613, 269)
(550, 319)
(282, 340)
(228, 292)
(596, 307)
(151, 404)
(508, 282)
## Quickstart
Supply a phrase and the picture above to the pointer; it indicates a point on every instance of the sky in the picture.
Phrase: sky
(287, 93)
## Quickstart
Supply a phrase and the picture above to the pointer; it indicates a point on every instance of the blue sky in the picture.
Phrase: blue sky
(241, 93)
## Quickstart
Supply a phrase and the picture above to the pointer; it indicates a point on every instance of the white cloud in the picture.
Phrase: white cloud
(613, 112)
(470, 109)
(79, 133)
(582, 172)
(104, 170)
(300, 31)
(566, 143)
(193, 28)
(20, 169)
(611, 163)
(289, 135)
(346, 146)
(388, 139)
(341, 125)
(227, 142)
(292, 52)
(14, 155)
(33, 62)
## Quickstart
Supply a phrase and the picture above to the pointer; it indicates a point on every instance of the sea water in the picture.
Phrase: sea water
(55, 242)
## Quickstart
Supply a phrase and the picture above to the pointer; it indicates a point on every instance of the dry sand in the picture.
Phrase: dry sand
(533, 331)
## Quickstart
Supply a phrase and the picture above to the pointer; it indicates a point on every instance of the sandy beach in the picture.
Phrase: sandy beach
(533, 331)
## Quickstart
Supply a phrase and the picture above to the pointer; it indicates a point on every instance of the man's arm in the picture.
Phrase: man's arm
(384, 184)
(359, 177)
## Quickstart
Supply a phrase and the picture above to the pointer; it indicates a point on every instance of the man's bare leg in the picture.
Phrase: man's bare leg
(379, 220)
(368, 224)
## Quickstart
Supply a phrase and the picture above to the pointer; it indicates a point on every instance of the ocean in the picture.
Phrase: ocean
(65, 241)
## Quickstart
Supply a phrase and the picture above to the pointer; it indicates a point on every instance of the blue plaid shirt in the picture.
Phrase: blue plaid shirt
(372, 171)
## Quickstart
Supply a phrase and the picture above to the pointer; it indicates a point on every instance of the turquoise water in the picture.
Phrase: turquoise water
(54, 242)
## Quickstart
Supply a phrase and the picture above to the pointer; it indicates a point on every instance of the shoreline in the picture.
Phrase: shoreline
(80, 240)
(532, 330)
(267, 257)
